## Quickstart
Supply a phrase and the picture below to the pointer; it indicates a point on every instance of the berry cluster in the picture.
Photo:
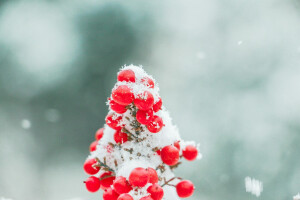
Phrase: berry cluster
(135, 153)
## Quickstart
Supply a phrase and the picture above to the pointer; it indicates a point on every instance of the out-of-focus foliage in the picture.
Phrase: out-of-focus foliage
(228, 72)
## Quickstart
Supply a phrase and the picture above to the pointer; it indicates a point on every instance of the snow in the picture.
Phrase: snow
(26, 124)
(297, 197)
(253, 186)
(140, 152)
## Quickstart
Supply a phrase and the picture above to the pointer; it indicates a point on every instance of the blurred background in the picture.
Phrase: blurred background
(228, 72)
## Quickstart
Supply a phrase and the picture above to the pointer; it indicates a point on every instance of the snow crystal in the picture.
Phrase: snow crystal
(297, 197)
(26, 124)
(253, 186)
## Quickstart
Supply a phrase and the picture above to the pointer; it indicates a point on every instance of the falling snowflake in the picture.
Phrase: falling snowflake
(297, 197)
(253, 186)
(26, 124)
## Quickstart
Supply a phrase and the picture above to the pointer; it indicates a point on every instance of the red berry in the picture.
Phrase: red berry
(190, 152)
(146, 198)
(114, 121)
(153, 178)
(158, 152)
(125, 197)
(177, 145)
(93, 146)
(144, 101)
(121, 185)
(88, 166)
(170, 155)
(156, 191)
(155, 125)
(138, 177)
(157, 105)
(148, 82)
(126, 75)
(185, 189)
(92, 184)
(144, 117)
(106, 180)
(120, 137)
(110, 194)
(122, 95)
(99, 134)
(118, 108)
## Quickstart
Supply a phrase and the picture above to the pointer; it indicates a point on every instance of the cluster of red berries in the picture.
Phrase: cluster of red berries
(170, 154)
(117, 188)
(122, 97)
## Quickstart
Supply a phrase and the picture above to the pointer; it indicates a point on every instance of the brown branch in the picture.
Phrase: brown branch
(172, 179)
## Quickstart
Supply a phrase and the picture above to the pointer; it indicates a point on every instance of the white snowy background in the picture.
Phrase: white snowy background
(228, 71)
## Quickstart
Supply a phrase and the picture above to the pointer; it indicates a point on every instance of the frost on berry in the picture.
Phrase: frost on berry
(138, 148)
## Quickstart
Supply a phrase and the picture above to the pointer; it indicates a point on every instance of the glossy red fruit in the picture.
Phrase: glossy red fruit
(177, 144)
(139, 177)
(110, 194)
(92, 184)
(93, 146)
(155, 125)
(148, 82)
(125, 197)
(157, 105)
(120, 137)
(153, 178)
(106, 180)
(114, 121)
(170, 155)
(88, 166)
(126, 75)
(144, 101)
(99, 134)
(156, 191)
(146, 198)
(190, 152)
(121, 185)
(185, 189)
(118, 108)
(122, 95)
(144, 117)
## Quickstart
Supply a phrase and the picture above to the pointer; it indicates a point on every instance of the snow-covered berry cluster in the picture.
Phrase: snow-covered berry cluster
(134, 155)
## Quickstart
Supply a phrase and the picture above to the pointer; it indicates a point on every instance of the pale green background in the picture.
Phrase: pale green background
(228, 72)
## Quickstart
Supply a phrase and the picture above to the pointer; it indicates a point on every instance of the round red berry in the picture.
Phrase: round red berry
(93, 146)
(157, 105)
(110, 194)
(89, 166)
(125, 197)
(144, 117)
(121, 185)
(155, 125)
(148, 82)
(190, 152)
(139, 177)
(122, 95)
(92, 184)
(177, 144)
(118, 108)
(120, 137)
(114, 121)
(106, 180)
(156, 191)
(126, 75)
(144, 101)
(146, 198)
(99, 134)
(153, 178)
(170, 155)
(185, 189)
